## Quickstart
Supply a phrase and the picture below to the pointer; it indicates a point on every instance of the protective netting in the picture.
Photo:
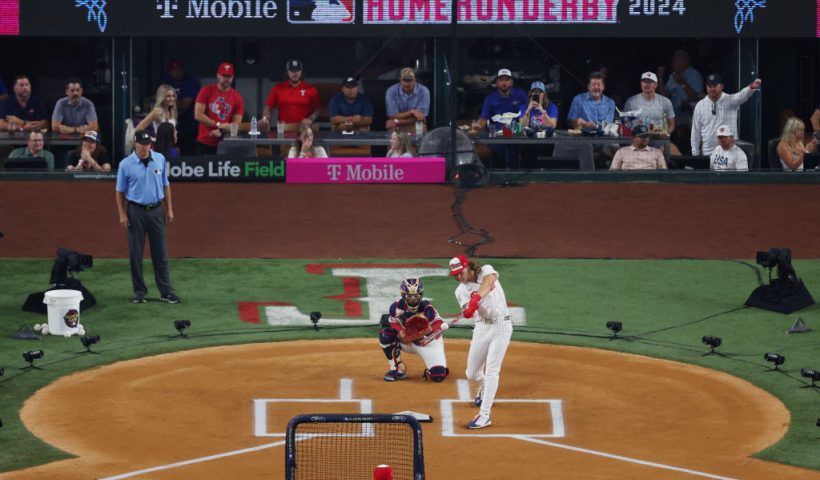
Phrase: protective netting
(350, 451)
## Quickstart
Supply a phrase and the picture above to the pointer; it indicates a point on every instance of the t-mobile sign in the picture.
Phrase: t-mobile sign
(365, 170)
(9, 17)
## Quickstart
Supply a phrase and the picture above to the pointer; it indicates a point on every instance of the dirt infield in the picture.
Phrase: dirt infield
(366, 221)
(651, 419)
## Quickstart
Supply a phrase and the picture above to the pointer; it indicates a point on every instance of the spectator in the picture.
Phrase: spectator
(218, 105)
(166, 141)
(304, 147)
(717, 108)
(791, 147)
(350, 110)
(187, 88)
(3, 92)
(684, 87)
(165, 109)
(297, 101)
(652, 105)
(407, 102)
(815, 119)
(35, 149)
(591, 108)
(400, 145)
(74, 113)
(89, 155)
(23, 111)
(539, 112)
(639, 155)
(505, 98)
(727, 155)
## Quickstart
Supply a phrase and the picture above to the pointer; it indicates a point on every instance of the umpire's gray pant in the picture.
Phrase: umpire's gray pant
(142, 221)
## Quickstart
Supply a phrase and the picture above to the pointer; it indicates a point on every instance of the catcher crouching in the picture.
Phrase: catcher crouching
(414, 326)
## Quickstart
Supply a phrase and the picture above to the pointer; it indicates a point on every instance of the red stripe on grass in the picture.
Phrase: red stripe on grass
(321, 268)
(352, 289)
(249, 311)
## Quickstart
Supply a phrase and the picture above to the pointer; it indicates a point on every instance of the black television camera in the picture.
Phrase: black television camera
(68, 261)
(779, 257)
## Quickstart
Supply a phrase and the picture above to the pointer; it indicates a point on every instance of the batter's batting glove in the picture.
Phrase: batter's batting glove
(472, 306)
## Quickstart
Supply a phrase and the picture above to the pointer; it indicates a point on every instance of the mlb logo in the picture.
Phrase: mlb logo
(322, 11)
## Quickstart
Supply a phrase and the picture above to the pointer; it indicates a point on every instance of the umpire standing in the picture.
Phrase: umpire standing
(142, 186)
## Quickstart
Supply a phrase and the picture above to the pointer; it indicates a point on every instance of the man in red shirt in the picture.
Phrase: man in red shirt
(298, 102)
(218, 105)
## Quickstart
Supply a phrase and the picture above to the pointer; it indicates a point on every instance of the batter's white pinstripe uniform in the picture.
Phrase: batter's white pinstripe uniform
(491, 336)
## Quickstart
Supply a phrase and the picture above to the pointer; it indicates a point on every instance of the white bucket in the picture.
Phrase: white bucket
(63, 311)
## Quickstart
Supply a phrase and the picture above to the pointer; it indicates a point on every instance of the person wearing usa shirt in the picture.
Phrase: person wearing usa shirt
(727, 155)
(217, 106)
(297, 101)
(505, 98)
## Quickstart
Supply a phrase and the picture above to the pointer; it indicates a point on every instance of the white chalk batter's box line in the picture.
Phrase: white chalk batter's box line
(555, 410)
(260, 415)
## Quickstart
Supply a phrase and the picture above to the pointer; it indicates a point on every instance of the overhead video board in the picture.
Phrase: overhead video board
(333, 18)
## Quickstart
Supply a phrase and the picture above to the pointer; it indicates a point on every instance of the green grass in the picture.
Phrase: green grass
(567, 302)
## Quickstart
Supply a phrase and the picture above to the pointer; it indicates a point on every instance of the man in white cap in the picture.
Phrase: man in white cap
(727, 155)
(505, 98)
(652, 105)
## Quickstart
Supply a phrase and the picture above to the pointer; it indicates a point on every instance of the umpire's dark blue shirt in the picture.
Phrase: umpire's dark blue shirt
(140, 183)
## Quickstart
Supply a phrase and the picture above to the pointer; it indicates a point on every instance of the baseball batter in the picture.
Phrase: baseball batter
(394, 335)
(479, 294)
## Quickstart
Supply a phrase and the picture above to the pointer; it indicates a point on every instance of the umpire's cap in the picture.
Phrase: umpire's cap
(458, 264)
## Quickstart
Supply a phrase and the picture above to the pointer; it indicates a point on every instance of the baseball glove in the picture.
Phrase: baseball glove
(416, 327)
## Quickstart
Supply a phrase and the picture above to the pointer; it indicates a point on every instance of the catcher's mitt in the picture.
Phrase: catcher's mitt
(416, 327)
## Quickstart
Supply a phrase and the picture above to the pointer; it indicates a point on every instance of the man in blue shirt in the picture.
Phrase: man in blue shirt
(23, 111)
(349, 109)
(142, 187)
(407, 102)
(506, 98)
(591, 108)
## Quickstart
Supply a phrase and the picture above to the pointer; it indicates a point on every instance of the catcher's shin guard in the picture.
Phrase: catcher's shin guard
(437, 373)
(389, 341)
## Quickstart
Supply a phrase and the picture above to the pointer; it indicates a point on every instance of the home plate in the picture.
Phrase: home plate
(421, 417)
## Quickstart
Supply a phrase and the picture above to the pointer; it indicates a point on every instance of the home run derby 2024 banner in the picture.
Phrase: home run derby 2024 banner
(333, 18)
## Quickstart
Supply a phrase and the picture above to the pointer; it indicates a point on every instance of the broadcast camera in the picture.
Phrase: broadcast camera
(777, 257)
(68, 261)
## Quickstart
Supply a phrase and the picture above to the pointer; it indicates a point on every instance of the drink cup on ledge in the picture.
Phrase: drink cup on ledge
(234, 129)
(280, 129)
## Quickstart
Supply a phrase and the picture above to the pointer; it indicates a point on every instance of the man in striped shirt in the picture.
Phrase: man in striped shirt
(717, 108)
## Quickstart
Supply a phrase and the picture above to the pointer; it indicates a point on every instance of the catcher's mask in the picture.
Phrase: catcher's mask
(411, 291)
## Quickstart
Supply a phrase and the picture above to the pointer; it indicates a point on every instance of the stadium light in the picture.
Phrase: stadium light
(814, 375)
(775, 358)
(315, 317)
(89, 340)
(181, 325)
(713, 343)
(31, 356)
(615, 327)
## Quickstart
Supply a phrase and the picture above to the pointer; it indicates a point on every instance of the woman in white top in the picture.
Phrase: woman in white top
(400, 145)
(165, 109)
(304, 147)
(791, 148)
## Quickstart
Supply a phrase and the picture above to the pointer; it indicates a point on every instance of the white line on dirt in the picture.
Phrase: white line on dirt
(195, 461)
(622, 458)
